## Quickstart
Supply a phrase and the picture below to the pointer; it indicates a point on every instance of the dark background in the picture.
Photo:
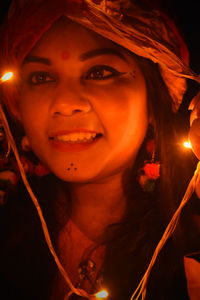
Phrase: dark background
(186, 16)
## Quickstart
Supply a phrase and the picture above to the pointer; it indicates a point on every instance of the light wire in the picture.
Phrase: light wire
(141, 289)
(12, 145)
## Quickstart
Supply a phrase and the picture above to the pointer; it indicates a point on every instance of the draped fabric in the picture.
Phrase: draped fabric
(145, 32)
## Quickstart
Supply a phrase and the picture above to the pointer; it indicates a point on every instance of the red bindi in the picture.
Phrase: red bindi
(65, 55)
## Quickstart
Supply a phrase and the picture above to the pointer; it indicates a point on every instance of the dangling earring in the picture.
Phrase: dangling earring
(31, 167)
(25, 145)
(4, 144)
(8, 175)
(150, 171)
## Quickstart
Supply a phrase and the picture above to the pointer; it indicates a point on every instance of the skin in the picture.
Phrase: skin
(194, 135)
(75, 95)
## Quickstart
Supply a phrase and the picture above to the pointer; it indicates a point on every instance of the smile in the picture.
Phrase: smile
(76, 137)
(74, 141)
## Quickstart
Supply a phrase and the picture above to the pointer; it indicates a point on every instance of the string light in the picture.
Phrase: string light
(101, 295)
(7, 76)
(187, 145)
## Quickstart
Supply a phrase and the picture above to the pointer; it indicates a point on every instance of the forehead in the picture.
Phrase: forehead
(70, 36)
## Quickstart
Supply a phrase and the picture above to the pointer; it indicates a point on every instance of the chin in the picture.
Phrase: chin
(74, 176)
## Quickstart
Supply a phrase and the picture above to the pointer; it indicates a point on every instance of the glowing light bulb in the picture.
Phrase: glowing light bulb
(102, 294)
(187, 145)
(7, 76)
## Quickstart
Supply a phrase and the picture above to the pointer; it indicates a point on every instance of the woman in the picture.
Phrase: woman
(96, 88)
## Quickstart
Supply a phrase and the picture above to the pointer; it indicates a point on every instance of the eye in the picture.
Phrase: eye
(102, 72)
(37, 78)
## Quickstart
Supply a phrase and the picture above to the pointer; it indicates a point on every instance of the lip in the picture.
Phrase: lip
(70, 146)
(63, 132)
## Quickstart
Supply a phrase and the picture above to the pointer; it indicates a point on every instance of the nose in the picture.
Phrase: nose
(69, 102)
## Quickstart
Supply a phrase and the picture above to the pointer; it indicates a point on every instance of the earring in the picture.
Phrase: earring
(30, 165)
(4, 145)
(25, 145)
(8, 174)
(150, 172)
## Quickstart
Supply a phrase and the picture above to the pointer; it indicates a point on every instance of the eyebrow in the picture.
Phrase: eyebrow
(101, 51)
(82, 57)
(37, 59)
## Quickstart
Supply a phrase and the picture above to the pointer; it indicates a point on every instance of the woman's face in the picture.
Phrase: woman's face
(83, 104)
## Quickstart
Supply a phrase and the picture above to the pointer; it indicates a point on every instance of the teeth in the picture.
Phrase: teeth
(76, 137)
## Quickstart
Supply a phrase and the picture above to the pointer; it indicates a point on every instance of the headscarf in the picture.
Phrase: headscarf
(145, 32)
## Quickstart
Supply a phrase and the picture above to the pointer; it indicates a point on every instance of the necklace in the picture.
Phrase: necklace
(87, 276)
(83, 258)
(86, 272)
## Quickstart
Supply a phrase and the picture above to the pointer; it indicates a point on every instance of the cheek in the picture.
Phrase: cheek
(127, 121)
(65, 55)
(32, 115)
(32, 104)
(123, 108)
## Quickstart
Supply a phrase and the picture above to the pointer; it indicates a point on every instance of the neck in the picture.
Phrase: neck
(97, 205)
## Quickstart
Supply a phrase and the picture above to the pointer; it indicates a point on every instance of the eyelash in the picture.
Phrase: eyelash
(99, 69)
(41, 77)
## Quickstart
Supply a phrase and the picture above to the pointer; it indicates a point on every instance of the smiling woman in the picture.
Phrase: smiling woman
(84, 120)
(96, 91)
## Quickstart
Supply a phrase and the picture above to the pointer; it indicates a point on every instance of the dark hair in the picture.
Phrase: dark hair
(131, 246)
